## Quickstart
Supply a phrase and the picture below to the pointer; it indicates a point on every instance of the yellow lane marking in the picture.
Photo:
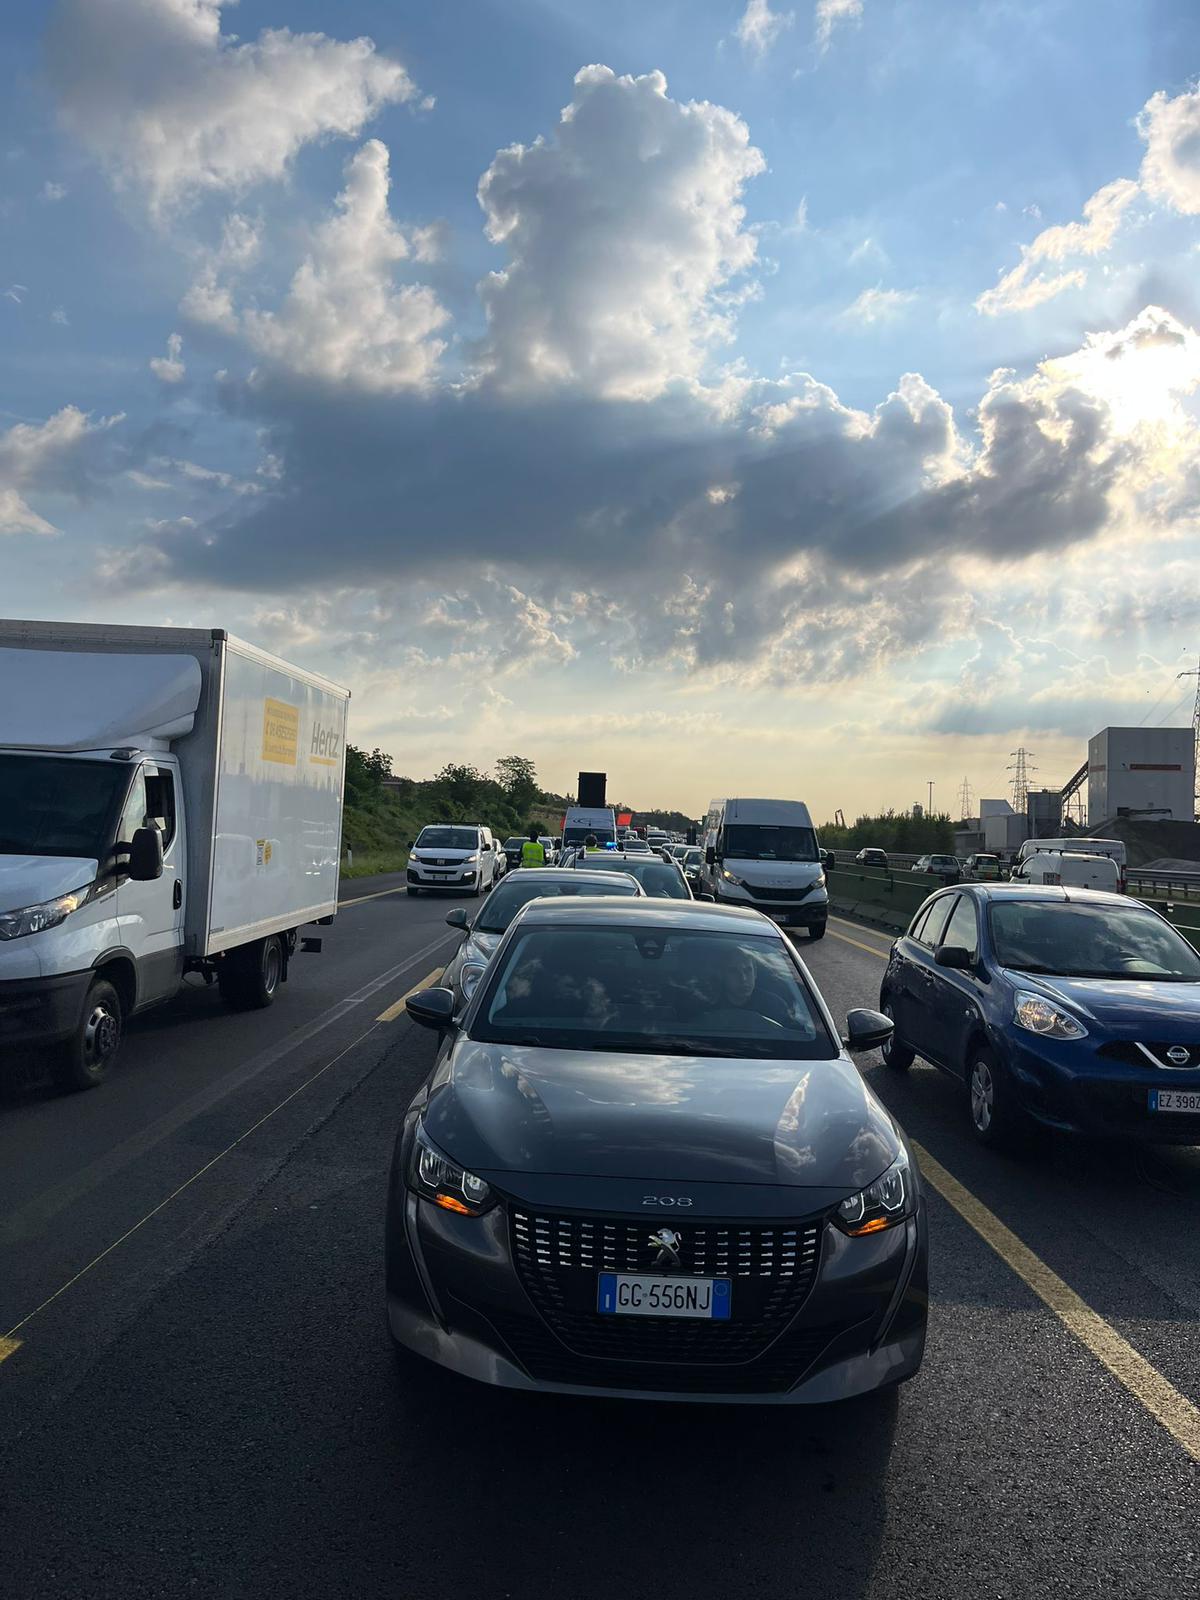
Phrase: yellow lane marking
(1172, 1410)
(9, 1339)
(857, 943)
(378, 895)
(1160, 1397)
(9, 1347)
(397, 1010)
(870, 932)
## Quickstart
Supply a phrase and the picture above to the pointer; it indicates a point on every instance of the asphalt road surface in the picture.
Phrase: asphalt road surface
(199, 1397)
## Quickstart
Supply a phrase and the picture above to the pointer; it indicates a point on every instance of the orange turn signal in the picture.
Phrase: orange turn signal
(449, 1203)
(876, 1225)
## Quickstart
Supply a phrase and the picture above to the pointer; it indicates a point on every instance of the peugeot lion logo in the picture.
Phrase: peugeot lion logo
(668, 1242)
(1178, 1055)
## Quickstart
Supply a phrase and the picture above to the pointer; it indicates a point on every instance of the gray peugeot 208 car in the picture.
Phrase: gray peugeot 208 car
(645, 1165)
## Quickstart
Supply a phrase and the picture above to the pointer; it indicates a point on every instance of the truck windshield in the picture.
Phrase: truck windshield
(52, 807)
(752, 841)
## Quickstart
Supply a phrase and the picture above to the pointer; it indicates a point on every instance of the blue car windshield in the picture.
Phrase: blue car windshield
(1073, 939)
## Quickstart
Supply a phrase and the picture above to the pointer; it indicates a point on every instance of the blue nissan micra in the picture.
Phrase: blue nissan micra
(1078, 1009)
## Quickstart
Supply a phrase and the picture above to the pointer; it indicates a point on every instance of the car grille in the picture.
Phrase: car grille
(772, 1268)
(762, 891)
(1127, 1050)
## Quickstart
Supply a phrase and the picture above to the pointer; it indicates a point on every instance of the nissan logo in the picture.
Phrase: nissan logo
(1178, 1055)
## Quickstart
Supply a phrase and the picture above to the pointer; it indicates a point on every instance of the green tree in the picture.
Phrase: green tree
(517, 776)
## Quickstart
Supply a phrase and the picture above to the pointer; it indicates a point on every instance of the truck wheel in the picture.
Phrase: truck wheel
(84, 1058)
(250, 977)
(816, 930)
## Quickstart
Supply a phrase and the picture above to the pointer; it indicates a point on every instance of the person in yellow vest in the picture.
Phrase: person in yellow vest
(533, 851)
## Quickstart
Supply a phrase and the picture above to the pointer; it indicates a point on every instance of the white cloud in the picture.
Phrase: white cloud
(59, 317)
(1023, 288)
(623, 230)
(170, 368)
(53, 191)
(759, 26)
(16, 292)
(1171, 165)
(878, 305)
(173, 108)
(51, 457)
(830, 13)
(343, 319)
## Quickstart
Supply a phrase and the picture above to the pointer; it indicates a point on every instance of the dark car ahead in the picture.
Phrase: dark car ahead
(871, 856)
(661, 880)
(691, 863)
(1078, 1009)
(948, 868)
(485, 929)
(644, 1165)
(513, 848)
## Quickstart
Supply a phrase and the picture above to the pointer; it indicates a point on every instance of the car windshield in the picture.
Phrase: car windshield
(747, 841)
(1075, 940)
(658, 878)
(691, 858)
(662, 991)
(52, 807)
(447, 839)
(520, 888)
(517, 842)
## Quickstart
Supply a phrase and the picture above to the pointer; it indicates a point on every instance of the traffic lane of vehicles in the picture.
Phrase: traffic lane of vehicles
(76, 1172)
(201, 1440)
(1119, 1222)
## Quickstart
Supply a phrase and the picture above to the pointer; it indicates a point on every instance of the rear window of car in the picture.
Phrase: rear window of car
(657, 878)
(502, 905)
(652, 990)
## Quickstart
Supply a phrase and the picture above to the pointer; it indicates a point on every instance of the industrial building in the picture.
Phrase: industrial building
(1147, 772)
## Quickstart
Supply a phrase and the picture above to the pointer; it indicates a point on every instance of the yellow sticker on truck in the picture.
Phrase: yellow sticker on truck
(281, 732)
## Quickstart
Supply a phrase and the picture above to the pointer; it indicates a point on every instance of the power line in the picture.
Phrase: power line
(1020, 770)
(965, 796)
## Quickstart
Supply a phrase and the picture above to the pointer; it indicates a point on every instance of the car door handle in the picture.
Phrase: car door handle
(177, 894)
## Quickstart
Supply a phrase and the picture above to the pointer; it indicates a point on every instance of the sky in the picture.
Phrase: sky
(732, 397)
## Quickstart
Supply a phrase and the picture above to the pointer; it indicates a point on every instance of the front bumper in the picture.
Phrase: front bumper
(457, 876)
(1068, 1085)
(41, 1010)
(456, 1296)
(802, 909)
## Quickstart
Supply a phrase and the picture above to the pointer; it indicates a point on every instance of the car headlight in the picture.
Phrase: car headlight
(882, 1204)
(472, 860)
(448, 1185)
(819, 881)
(472, 972)
(36, 919)
(1039, 1015)
(732, 877)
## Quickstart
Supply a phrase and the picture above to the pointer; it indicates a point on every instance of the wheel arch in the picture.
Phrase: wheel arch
(120, 969)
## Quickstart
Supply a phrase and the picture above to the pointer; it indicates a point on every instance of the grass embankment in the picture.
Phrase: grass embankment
(378, 827)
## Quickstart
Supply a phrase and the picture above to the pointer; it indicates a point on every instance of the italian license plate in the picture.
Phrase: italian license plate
(632, 1294)
(1175, 1100)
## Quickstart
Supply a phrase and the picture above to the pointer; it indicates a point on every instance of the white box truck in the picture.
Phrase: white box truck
(170, 803)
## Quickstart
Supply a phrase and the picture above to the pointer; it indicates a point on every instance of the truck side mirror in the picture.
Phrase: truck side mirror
(710, 855)
(146, 855)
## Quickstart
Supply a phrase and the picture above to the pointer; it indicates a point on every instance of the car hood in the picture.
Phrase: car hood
(522, 1109)
(28, 880)
(1128, 1008)
(428, 853)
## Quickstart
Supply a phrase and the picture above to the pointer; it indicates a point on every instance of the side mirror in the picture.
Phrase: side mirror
(432, 1008)
(710, 855)
(409, 845)
(953, 955)
(146, 855)
(867, 1030)
(457, 919)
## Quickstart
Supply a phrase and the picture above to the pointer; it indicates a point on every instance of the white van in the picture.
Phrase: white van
(1113, 849)
(582, 820)
(765, 854)
(1070, 868)
(453, 855)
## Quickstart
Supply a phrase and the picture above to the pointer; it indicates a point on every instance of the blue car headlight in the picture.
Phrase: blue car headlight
(1036, 1014)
